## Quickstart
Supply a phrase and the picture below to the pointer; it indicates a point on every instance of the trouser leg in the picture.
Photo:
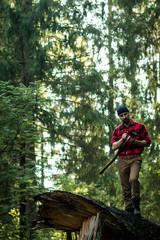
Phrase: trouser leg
(124, 173)
(134, 175)
(135, 191)
(129, 173)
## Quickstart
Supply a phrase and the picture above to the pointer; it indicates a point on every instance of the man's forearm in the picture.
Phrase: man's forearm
(118, 144)
(141, 143)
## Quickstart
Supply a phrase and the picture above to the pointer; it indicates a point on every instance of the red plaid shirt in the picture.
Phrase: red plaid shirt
(135, 127)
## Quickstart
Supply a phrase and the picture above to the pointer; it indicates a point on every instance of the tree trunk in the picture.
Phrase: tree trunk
(111, 112)
(69, 236)
(93, 219)
(27, 206)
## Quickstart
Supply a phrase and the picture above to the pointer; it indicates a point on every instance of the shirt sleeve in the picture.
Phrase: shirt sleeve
(145, 136)
(114, 137)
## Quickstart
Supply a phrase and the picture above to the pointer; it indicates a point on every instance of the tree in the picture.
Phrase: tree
(58, 43)
(17, 181)
(136, 30)
(44, 41)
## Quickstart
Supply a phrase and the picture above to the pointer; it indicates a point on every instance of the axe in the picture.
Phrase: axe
(121, 149)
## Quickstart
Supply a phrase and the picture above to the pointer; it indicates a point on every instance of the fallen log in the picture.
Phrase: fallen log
(92, 219)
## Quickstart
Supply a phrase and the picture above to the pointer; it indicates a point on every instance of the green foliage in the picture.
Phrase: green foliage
(51, 234)
(17, 127)
(59, 43)
(136, 33)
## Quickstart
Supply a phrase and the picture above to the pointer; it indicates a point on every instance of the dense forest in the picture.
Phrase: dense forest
(65, 66)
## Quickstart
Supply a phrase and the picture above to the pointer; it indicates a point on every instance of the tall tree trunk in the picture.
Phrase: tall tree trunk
(27, 206)
(111, 112)
(22, 199)
(42, 161)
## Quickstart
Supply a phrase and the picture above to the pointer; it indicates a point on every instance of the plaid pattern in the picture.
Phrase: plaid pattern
(135, 127)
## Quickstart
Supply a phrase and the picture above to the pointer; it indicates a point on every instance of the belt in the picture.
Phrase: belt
(129, 156)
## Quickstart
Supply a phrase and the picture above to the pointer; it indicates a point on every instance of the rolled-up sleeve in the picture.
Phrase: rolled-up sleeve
(145, 136)
(114, 137)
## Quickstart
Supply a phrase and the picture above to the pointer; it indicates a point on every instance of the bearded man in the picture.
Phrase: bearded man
(130, 159)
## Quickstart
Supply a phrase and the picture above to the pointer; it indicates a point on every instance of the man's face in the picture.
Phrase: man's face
(124, 117)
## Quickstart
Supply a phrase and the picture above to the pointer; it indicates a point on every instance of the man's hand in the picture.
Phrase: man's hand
(118, 144)
(131, 140)
(124, 136)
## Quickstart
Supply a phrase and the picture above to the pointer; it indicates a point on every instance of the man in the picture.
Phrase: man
(130, 159)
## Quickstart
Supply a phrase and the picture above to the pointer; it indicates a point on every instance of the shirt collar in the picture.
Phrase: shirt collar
(130, 124)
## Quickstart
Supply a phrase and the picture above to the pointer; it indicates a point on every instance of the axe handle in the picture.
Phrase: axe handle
(109, 163)
(114, 158)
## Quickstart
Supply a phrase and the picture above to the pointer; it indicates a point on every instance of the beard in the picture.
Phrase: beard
(126, 121)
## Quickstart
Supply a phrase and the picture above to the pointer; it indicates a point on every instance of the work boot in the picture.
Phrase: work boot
(136, 207)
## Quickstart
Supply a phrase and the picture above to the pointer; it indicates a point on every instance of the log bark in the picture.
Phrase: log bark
(70, 212)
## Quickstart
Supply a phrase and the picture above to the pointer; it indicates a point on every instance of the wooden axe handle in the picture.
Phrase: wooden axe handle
(109, 163)
(114, 158)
